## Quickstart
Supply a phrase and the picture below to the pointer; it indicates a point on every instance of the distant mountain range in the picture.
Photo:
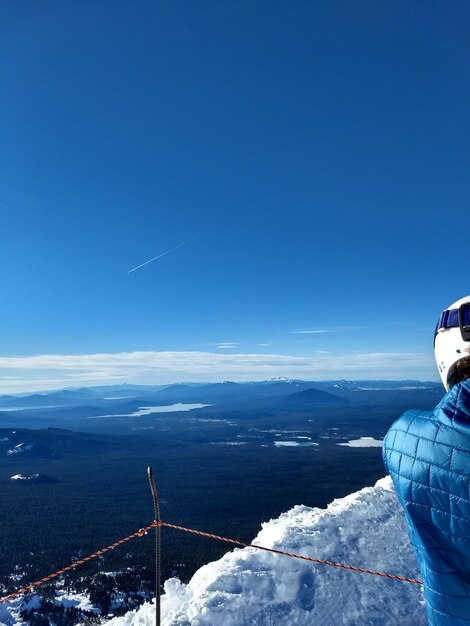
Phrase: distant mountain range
(277, 394)
(302, 393)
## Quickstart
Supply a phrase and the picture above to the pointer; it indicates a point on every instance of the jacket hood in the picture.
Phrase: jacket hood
(454, 408)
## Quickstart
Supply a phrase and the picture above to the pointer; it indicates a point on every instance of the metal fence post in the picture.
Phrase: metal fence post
(156, 509)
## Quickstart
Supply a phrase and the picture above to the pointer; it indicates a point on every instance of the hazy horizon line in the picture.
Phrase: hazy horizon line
(60, 371)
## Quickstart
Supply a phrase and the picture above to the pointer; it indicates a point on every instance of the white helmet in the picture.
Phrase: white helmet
(452, 343)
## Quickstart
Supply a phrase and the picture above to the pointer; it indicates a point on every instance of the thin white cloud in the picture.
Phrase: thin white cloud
(227, 345)
(315, 331)
(53, 371)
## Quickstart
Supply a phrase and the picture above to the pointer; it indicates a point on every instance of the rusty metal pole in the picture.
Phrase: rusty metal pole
(156, 509)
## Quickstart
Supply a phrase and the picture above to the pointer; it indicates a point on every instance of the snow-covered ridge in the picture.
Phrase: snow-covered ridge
(247, 587)
(25, 477)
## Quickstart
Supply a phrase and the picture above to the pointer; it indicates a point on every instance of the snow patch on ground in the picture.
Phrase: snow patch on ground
(21, 448)
(10, 611)
(363, 442)
(76, 600)
(248, 587)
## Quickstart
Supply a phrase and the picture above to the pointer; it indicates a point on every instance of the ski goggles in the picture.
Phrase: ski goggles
(455, 318)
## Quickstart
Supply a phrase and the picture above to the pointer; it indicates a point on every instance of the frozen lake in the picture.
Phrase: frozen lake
(148, 410)
(363, 442)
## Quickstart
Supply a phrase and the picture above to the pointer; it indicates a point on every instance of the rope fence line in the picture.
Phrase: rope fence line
(145, 529)
(352, 568)
(46, 579)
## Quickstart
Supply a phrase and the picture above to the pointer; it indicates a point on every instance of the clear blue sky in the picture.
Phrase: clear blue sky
(318, 150)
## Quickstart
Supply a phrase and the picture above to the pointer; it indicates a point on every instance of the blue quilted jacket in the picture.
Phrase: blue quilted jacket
(428, 457)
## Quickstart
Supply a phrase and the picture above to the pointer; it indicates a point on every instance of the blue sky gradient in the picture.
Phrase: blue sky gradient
(316, 152)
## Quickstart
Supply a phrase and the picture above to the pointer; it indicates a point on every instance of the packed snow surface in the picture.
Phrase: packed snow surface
(248, 587)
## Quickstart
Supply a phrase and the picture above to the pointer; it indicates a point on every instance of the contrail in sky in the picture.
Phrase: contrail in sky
(180, 245)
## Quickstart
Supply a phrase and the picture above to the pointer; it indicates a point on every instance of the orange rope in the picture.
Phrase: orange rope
(294, 556)
(46, 579)
(143, 531)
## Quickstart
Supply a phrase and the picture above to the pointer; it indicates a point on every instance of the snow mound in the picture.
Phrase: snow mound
(248, 587)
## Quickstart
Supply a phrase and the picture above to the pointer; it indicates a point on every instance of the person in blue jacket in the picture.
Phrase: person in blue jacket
(428, 458)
